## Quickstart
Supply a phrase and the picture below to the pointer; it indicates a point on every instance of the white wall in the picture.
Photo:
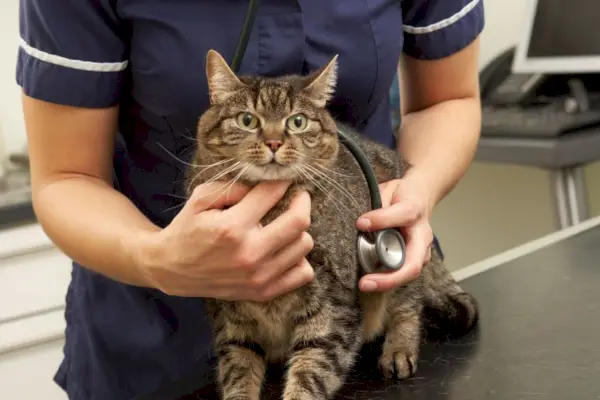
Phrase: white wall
(503, 26)
(12, 131)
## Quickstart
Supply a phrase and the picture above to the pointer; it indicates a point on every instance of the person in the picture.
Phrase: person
(112, 90)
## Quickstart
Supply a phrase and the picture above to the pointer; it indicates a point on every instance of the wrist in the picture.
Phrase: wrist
(426, 186)
(146, 253)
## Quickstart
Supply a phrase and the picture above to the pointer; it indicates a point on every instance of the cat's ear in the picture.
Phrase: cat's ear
(322, 83)
(222, 82)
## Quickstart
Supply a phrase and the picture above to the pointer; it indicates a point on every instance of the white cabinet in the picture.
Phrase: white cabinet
(33, 281)
(27, 373)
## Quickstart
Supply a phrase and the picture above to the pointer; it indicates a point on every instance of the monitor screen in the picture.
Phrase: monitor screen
(560, 36)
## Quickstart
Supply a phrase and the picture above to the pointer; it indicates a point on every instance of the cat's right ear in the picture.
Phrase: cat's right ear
(322, 83)
(222, 81)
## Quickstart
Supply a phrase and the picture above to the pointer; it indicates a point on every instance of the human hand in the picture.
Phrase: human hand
(210, 251)
(406, 206)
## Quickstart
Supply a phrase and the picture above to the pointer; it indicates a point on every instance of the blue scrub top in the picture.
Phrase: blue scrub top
(149, 58)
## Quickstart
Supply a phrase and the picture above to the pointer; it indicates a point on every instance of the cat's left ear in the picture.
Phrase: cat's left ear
(222, 81)
(322, 83)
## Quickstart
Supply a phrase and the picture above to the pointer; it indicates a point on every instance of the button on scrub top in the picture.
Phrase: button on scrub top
(149, 58)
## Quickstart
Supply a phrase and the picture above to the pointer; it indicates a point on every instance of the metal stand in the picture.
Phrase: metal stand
(570, 195)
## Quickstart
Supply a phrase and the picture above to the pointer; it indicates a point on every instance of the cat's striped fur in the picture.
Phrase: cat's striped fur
(318, 329)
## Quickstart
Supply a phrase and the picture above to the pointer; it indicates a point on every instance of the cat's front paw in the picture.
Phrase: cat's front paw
(398, 365)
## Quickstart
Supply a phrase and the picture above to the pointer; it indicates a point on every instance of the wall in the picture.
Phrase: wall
(12, 132)
(494, 207)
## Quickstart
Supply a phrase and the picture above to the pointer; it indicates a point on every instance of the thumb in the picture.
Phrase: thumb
(395, 216)
(215, 195)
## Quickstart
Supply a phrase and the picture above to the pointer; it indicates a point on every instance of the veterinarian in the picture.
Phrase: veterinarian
(112, 90)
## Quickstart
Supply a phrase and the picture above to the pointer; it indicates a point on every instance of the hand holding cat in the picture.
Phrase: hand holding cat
(406, 206)
(209, 251)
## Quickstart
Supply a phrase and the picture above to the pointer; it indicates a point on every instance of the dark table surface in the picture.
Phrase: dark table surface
(539, 336)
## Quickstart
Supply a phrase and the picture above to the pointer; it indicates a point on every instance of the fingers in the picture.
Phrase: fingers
(284, 260)
(418, 246)
(396, 215)
(292, 279)
(255, 205)
(288, 226)
(427, 254)
(418, 242)
(387, 190)
(215, 195)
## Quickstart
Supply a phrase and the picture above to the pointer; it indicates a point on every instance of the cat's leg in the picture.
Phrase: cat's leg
(325, 345)
(241, 363)
(402, 339)
(448, 311)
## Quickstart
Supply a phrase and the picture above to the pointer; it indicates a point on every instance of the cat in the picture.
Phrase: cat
(280, 128)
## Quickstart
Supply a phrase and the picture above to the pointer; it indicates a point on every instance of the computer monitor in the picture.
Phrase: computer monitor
(560, 37)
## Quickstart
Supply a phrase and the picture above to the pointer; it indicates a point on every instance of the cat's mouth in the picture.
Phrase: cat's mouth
(271, 171)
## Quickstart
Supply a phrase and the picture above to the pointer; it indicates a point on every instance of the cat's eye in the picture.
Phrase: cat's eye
(296, 123)
(247, 120)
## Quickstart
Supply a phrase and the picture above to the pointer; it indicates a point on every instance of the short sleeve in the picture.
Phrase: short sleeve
(72, 52)
(435, 29)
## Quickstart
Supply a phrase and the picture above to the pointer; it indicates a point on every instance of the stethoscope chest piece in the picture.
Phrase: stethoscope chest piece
(385, 248)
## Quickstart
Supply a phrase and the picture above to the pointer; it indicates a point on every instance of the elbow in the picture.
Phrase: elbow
(49, 191)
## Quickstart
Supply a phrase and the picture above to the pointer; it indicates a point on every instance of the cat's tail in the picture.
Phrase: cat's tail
(449, 316)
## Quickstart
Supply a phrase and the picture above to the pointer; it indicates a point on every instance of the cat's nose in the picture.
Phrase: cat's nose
(274, 144)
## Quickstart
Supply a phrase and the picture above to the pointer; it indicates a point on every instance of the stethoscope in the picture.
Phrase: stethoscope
(383, 249)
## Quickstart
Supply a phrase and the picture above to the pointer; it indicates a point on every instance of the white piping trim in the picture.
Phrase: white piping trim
(503, 258)
(70, 63)
(420, 30)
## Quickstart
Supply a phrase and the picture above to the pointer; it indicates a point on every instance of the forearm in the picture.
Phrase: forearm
(440, 142)
(95, 225)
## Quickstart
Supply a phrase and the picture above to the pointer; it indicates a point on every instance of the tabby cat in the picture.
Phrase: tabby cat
(279, 128)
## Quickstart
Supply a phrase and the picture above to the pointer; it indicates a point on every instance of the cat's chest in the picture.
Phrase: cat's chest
(275, 324)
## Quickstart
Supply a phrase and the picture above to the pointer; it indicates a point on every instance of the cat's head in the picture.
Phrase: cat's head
(278, 128)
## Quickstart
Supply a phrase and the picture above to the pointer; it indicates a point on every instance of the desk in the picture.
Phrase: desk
(538, 337)
(564, 157)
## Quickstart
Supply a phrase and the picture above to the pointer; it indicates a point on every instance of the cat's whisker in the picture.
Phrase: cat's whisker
(174, 195)
(191, 146)
(330, 197)
(324, 176)
(227, 170)
(175, 157)
(223, 191)
(216, 164)
(330, 171)
(303, 171)
(188, 136)
(335, 184)
(191, 164)
(317, 164)
(180, 205)
(230, 184)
